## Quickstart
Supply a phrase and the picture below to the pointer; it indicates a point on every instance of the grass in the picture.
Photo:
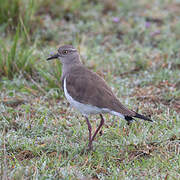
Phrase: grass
(133, 46)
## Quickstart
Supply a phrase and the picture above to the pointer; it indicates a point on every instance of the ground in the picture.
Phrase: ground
(134, 46)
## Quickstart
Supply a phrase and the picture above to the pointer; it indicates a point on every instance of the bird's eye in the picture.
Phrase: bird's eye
(65, 52)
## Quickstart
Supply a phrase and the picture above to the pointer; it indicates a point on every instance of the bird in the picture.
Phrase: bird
(88, 93)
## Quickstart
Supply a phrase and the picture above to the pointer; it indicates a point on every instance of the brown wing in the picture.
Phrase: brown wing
(89, 88)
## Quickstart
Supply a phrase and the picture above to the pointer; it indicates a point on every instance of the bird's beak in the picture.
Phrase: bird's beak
(55, 56)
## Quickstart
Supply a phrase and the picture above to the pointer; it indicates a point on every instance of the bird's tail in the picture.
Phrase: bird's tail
(142, 117)
(130, 118)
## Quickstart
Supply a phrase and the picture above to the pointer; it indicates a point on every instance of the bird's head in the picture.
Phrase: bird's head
(67, 55)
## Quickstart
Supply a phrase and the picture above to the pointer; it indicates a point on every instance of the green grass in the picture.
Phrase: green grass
(14, 59)
(133, 46)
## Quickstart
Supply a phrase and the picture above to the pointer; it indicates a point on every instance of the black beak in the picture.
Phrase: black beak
(55, 56)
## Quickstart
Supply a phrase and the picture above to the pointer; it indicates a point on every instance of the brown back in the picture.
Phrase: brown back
(87, 87)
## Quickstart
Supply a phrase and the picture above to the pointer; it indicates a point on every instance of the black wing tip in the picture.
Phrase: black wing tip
(142, 117)
(129, 119)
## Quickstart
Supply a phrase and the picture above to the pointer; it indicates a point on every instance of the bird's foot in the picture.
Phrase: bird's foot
(87, 150)
(90, 146)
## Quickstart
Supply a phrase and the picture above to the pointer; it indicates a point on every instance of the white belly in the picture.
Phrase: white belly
(87, 109)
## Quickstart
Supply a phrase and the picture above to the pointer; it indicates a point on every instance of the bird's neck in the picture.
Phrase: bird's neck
(66, 67)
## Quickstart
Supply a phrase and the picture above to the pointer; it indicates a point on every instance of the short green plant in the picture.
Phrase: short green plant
(15, 59)
(51, 73)
(17, 12)
(9, 12)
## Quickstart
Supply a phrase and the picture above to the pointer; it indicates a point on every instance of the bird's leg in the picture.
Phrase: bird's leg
(99, 127)
(90, 129)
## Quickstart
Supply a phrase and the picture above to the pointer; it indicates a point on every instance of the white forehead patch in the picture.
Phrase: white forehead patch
(72, 49)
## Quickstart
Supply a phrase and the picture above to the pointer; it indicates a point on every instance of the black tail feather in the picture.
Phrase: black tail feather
(142, 117)
(129, 119)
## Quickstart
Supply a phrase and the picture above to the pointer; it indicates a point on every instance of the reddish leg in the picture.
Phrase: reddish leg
(90, 130)
(99, 127)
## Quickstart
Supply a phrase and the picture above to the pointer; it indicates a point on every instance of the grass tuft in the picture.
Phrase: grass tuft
(14, 59)
(17, 12)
